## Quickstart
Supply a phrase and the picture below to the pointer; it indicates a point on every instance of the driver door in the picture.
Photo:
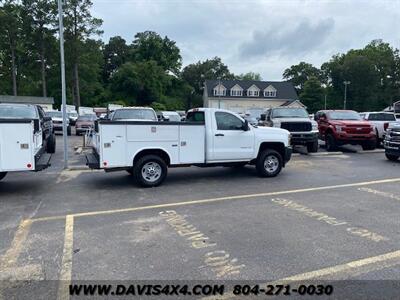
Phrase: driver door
(230, 141)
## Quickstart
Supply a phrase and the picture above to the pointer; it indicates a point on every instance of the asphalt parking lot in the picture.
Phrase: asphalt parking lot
(324, 217)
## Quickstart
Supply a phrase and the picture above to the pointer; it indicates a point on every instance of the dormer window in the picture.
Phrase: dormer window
(270, 91)
(236, 91)
(220, 90)
(253, 91)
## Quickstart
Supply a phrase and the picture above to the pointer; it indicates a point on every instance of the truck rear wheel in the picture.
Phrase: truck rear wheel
(391, 157)
(51, 144)
(312, 147)
(69, 130)
(369, 145)
(269, 163)
(150, 170)
(2, 175)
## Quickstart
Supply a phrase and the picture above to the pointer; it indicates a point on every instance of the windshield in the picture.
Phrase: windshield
(54, 114)
(134, 114)
(75, 115)
(289, 113)
(17, 112)
(87, 118)
(172, 117)
(344, 115)
(381, 117)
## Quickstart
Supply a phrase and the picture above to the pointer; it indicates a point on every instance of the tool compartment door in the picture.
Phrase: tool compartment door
(16, 146)
(113, 139)
(192, 144)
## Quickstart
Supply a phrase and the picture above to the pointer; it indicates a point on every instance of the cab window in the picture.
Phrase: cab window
(195, 116)
(227, 121)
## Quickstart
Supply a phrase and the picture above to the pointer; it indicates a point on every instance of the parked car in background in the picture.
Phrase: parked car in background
(251, 119)
(296, 120)
(85, 123)
(26, 138)
(182, 113)
(133, 114)
(381, 122)
(168, 116)
(72, 116)
(57, 118)
(340, 127)
(392, 142)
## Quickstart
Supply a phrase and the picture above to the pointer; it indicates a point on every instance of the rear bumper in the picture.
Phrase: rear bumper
(288, 155)
(303, 138)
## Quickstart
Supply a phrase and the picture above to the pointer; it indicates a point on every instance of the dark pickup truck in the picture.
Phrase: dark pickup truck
(392, 142)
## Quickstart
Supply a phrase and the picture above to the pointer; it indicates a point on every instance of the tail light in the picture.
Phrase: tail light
(385, 126)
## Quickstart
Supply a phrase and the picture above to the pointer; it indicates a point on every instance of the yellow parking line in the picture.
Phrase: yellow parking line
(351, 268)
(66, 264)
(236, 197)
(12, 254)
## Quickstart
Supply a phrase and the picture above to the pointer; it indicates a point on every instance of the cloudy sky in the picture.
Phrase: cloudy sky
(256, 35)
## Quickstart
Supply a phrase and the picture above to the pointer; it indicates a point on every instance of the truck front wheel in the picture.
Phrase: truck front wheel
(269, 163)
(51, 144)
(312, 147)
(2, 175)
(392, 157)
(150, 170)
(330, 143)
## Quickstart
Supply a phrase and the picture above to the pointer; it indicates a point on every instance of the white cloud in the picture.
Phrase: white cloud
(256, 35)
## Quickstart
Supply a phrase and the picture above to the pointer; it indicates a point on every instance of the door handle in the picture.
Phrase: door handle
(219, 134)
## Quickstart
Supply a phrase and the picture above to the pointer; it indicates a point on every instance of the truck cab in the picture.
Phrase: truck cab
(26, 138)
(208, 137)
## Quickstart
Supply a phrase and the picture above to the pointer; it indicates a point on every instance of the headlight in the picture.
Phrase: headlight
(314, 126)
(339, 128)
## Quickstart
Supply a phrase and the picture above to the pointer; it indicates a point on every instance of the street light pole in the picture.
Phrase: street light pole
(346, 83)
(63, 91)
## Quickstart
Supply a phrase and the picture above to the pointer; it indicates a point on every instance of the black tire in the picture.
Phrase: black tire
(392, 157)
(275, 165)
(369, 145)
(140, 175)
(312, 147)
(330, 143)
(2, 175)
(378, 140)
(51, 144)
(69, 130)
(77, 132)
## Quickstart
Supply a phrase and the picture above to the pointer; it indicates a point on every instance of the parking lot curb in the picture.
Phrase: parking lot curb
(372, 151)
(325, 153)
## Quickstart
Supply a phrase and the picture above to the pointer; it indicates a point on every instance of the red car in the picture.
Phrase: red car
(340, 127)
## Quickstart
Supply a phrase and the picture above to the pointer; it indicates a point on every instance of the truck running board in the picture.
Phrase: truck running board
(92, 161)
(42, 162)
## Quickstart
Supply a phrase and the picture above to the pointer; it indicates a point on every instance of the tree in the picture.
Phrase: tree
(39, 19)
(300, 73)
(150, 46)
(139, 83)
(249, 76)
(196, 74)
(79, 25)
(11, 36)
(313, 95)
(115, 55)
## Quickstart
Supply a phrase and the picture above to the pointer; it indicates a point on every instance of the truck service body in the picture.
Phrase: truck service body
(26, 134)
(209, 137)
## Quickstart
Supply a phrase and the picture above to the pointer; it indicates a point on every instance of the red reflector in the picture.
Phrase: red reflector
(385, 126)
(105, 163)
(29, 166)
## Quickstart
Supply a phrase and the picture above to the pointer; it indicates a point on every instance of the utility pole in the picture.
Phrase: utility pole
(63, 91)
(219, 93)
(325, 101)
(346, 83)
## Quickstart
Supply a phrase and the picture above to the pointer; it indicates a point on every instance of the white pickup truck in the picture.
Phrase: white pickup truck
(208, 137)
(26, 138)
(381, 121)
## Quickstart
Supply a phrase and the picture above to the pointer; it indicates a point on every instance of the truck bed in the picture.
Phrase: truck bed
(117, 142)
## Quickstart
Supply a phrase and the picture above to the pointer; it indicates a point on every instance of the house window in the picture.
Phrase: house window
(219, 91)
(269, 93)
(236, 93)
(251, 93)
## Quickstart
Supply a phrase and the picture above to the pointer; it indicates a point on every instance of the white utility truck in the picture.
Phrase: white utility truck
(208, 137)
(26, 138)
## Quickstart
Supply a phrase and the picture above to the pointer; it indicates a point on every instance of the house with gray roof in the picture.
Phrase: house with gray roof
(45, 102)
(249, 96)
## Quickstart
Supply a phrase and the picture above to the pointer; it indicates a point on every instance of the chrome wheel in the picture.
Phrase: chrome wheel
(271, 163)
(151, 171)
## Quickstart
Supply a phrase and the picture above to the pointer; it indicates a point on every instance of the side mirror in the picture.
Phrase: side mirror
(245, 126)
(322, 118)
(46, 118)
(263, 117)
(36, 125)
